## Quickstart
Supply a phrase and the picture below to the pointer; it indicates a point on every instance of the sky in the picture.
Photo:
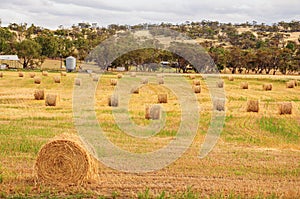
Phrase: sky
(52, 13)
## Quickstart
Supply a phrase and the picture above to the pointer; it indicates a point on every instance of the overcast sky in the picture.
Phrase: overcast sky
(52, 13)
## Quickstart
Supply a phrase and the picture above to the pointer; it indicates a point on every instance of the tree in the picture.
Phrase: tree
(28, 51)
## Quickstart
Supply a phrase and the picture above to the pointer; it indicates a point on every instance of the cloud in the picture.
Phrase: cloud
(52, 13)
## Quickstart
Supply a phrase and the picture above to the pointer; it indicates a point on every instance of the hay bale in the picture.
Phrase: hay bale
(21, 74)
(252, 106)
(132, 74)
(196, 82)
(144, 81)
(192, 76)
(95, 78)
(285, 108)
(244, 85)
(56, 79)
(45, 73)
(113, 101)
(231, 78)
(113, 82)
(153, 112)
(220, 84)
(295, 82)
(31, 75)
(197, 89)
(219, 104)
(51, 100)
(1, 74)
(119, 76)
(65, 161)
(160, 81)
(39, 94)
(63, 74)
(290, 84)
(135, 90)
(267, 87)
(162, 98)
(78, 82)
(37, 80)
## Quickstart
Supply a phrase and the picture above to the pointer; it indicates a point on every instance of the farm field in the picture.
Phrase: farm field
(257, 154)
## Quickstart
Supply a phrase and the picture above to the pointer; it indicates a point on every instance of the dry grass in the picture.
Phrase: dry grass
(133, 74)
(285, 108)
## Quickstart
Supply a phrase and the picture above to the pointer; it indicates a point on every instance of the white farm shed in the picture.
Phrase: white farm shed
(9, 61)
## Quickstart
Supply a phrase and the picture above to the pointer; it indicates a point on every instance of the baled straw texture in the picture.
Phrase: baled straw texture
(197, 89)
(160, 80)
(78, 82)
(1, 74)
(231, 78)
(113, 101)
(135, 90)
(244, 85)
(252, 106)
(196, 82)
(65, 161)
(295, 82)
(119, 76)
(95, 78)
(31, 75)
(37, 80)
(220, 84)
(21, 74)
(290, 84)
(153, 112)
(192, 76)
(285, 108)
(45, 73)
(113, 82)
(39, 94)
(162, 98)
(267, 87)
(63, 74)
(51, 100)
(56, 79)
(144, 81)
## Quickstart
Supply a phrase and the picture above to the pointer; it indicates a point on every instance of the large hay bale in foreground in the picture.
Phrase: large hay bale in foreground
(244, 85)
(162, 98)
(37, 80)
(78, 82)
(51, 100)
(231, 78)
(56, 79)
(153, 112)
(252, 106)
(45, 73)
(21, 74)
(285, 108)
(290, 84)
(113, 82)
(63, 74)
(113, 101)
(220, 84)
(65, 161)
(267, 87)
(39, 94)
(196, 82)
(144, 81)
(219, 104)
(197, 89)
(135, 90)
(31, 75)
(1, 74)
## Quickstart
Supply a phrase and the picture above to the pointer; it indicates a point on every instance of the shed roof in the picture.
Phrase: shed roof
(9, 57)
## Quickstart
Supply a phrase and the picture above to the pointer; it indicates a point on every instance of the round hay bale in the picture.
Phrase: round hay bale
(220, 84)
(290, 84)
(267, 87)
(197, 89)
(95, 78)
(31, 75)
(160, 80)
(78, 82)
(56, 79)
(252, 106)
(113, 82)
(132, 74)
(37, 80)
(244, 85)
(45, 73)
(219, 104)
(295, 82)
(65, 161)
(119, 76)
(135, 90)
(192, 76)
(51, 100)
(1, 74)
(162, 98)
(285, 108)
(39, 94)
(231, 78)
(113, 101)
(196, 82)
(21, 74)
(153, 112)
(144, 81)
(63, 74)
